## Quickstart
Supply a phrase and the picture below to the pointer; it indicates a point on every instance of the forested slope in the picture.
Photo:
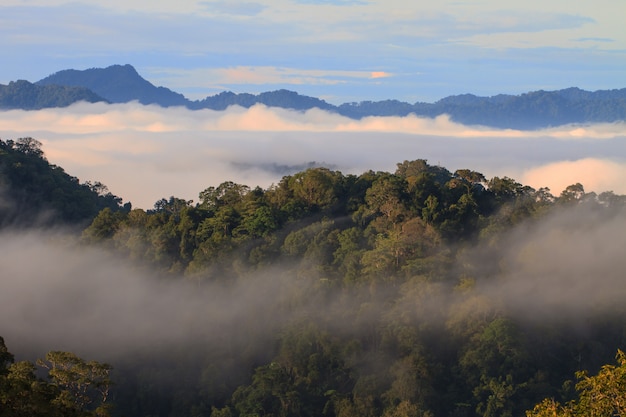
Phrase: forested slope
(27, 96)
(419, 292)
(35, 193)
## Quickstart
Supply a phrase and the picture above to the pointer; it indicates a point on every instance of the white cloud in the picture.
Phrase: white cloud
(144, 153)
(595, 174)
(218, 78)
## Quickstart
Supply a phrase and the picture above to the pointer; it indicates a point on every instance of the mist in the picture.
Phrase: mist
(58, 295)
(145, 153)
(567, 267)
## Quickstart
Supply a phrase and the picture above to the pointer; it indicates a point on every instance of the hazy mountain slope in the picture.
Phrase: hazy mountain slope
(22, 94)
(280, 98)
(118, 84)
(527, 111)
(35, 193)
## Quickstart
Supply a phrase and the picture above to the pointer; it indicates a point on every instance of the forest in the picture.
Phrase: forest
(415, 293)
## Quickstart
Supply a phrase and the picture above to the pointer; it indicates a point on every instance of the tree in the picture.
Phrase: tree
(84, 386)
(506, 189)
(22, 394)
(6, 358)
(385, 198)
(467, 178)
(76, 388)
(316, 187)
(103, 226)
(29, 146)
(572, 193)
(601, 395)
(226, 194)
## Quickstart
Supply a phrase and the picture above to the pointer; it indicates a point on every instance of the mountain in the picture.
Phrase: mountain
(532, 110)
(22, 94)
(280, 98)
(118, 84)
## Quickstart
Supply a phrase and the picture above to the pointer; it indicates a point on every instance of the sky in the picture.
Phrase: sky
(338, 50)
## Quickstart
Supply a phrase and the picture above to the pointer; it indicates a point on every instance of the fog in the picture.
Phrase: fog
(145, 153)
(57, 295)
(568, 266)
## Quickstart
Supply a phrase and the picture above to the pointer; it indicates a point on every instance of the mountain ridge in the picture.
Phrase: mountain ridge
(531, 110)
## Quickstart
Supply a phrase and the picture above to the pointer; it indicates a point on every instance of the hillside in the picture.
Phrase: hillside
(532, 110)
(24, 95)
(36, 193)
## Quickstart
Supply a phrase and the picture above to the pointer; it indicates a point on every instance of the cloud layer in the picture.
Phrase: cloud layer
(145, 153)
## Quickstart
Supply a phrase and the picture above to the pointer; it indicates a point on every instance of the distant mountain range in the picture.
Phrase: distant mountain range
(122, 83)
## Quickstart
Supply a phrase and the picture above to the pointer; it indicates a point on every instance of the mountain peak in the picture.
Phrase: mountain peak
(118, 84)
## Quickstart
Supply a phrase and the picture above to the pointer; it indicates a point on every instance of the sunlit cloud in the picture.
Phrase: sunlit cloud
(145, 153)
(380, 74)
(211, 78)
(595, 174)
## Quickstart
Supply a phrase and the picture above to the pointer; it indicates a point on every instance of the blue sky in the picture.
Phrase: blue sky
(341, 51)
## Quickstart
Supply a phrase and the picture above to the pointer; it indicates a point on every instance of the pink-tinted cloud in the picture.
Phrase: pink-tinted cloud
(145, 153)
(595, 174)
(380, 74)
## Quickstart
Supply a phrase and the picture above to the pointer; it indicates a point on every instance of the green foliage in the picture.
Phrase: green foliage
(82, 383)
(600, 395)
(74, 387)
(37, 193)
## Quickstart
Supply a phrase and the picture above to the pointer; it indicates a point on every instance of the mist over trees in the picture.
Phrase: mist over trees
(419, 292)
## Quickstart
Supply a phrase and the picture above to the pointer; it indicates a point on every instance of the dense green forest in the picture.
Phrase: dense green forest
(419, 292)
